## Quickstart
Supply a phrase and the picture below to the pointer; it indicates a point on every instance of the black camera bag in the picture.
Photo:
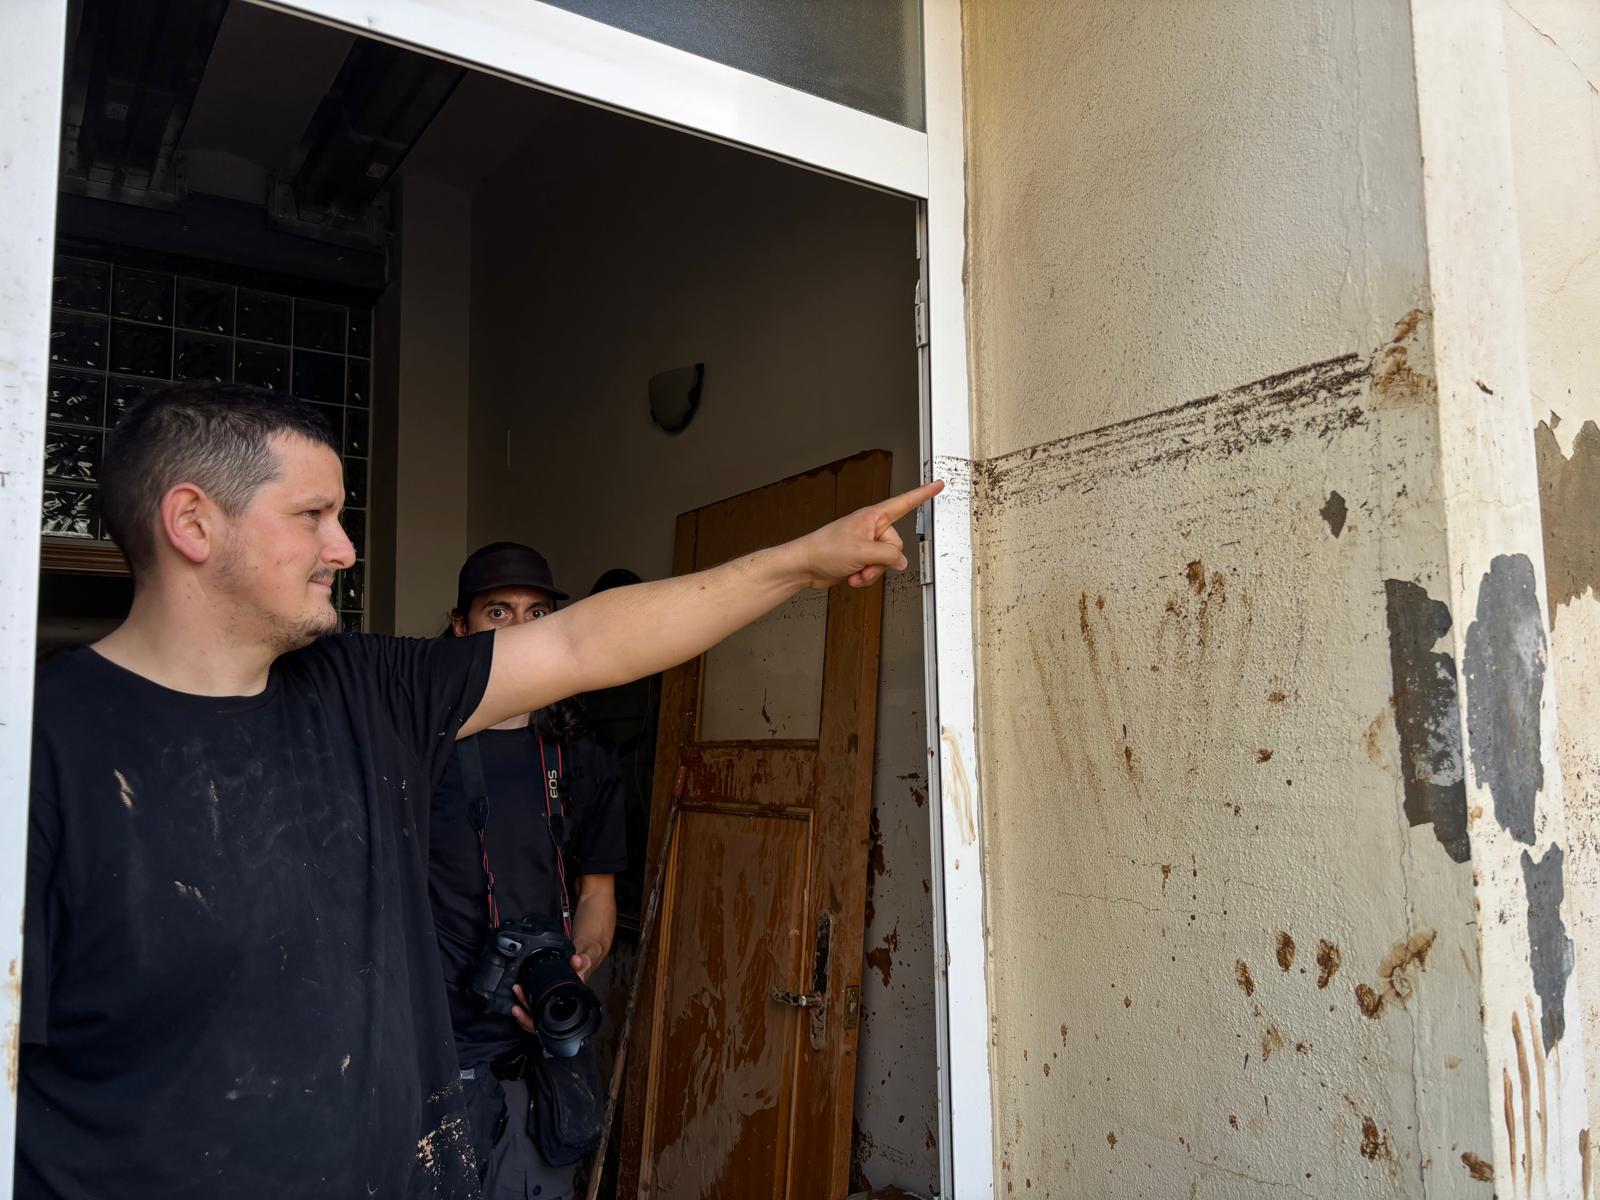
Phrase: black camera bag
(566, 1105)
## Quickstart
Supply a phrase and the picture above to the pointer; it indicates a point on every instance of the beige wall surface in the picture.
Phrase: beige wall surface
(423, 373)
(1553, 60)
(608, 250)
(1228, 835)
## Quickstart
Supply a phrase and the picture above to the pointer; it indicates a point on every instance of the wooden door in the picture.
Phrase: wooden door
(733, 1091)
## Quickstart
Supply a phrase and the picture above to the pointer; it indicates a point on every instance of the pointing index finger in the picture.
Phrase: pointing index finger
(895, 507)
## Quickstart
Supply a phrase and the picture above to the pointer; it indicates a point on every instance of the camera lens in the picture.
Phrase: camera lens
(564, 1010)
(561, 1009)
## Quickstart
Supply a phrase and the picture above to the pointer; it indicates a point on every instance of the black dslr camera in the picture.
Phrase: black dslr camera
(536, 953)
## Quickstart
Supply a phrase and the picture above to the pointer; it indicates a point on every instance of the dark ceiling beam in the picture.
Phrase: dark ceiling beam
(134, 71)
(381, 102)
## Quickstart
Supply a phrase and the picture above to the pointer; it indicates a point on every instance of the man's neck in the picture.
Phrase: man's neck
(184, 647)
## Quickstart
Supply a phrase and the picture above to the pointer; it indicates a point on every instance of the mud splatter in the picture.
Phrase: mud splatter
(960, 788)
(1327, 962)
(1539, 1074)
(13, 1033)
(1241, 974)
(1111, 1140)
(1395, 382)
(1427, 715)
(1482, 1171)
(1504, 670)
(1374, 1145)
(1285, 951)
(1525, 1076)
(1263, 756)
(1406, 960)
(449, 1142)
(877, 864)
(1511, 1119)
(1370, 1003)
(1334, 513)
(881, 958)
(1549, 947)
(1318, 400)
(1196, 573)
(1271, 1042)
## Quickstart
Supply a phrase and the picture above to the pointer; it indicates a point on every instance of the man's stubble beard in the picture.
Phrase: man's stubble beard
(279, 633)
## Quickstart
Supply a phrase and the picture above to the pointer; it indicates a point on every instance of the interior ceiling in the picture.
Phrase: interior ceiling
(266, 75)
(251, 107)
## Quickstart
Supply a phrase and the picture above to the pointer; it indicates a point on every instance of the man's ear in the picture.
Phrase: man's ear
(458, 624)
(188, 522)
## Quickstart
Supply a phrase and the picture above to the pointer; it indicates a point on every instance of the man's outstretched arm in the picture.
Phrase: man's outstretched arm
(630, 632)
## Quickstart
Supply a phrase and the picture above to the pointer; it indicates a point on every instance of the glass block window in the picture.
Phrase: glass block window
(120, 332)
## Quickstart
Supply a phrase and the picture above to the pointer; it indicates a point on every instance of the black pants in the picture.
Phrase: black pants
(508, 1162)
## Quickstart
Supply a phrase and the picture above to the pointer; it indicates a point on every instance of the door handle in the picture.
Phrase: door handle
(815, 1001)
(799, 999)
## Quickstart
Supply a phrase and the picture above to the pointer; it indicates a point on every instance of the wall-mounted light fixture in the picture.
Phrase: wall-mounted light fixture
(675, 396)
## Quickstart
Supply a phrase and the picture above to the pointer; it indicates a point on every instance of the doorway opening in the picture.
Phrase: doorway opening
(529, 319)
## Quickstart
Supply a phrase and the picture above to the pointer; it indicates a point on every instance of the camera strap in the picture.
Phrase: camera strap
(555, 820)
(470, 759)
(471, 763)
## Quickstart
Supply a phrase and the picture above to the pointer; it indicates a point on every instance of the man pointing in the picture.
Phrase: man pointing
(230, 983)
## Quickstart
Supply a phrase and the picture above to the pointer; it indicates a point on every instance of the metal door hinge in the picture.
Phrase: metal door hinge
(919, 309)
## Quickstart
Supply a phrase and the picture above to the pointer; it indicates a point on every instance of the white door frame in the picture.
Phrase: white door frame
(966, 1136)
(532, 42)
(30, 143)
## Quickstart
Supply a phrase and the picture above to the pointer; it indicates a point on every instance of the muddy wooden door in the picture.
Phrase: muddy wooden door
(742, 1066)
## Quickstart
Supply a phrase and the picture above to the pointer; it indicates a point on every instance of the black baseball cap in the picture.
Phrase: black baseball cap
(503, 564)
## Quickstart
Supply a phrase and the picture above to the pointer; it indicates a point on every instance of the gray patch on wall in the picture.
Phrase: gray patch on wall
(1427, 715)
(1569, 503)
(1334, 513)
(1504, 672)
(1549, 947)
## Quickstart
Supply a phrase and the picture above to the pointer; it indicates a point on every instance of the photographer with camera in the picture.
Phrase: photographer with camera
(527, 813)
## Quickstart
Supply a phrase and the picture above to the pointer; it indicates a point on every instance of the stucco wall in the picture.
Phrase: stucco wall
(609, 250)
(1553, 60)
(1235, 949)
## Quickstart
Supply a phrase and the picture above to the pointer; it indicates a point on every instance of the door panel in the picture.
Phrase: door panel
(736, 881)
(734, 1093)
(766, 680)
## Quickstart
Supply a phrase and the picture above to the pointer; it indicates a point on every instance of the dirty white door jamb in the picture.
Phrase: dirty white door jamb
(557, 50)
(32, 61)
(966, 1141)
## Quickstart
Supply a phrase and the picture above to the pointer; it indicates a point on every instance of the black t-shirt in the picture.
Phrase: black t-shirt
(521, 854)
(230, 985)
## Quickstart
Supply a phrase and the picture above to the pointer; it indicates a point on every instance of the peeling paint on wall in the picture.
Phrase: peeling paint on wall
(1549, 947)
(1569, 504)
(1504, 669)
(1427, 715)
